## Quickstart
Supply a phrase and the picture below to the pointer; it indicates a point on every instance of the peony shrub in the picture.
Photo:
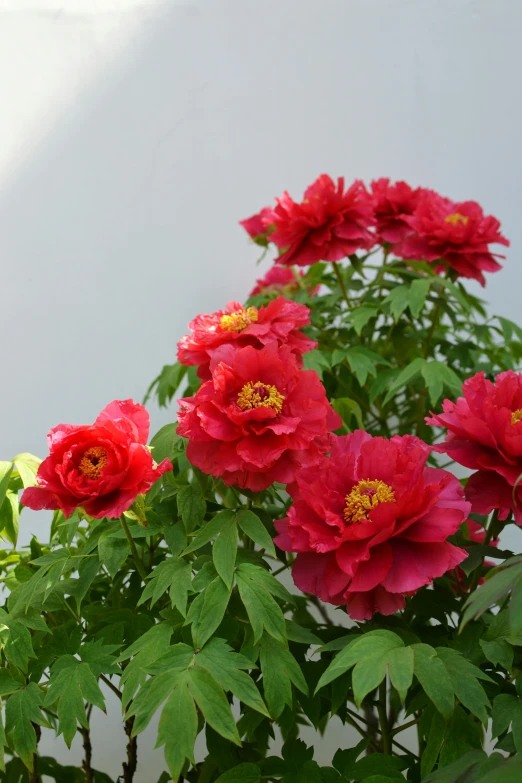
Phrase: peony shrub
(317, 536)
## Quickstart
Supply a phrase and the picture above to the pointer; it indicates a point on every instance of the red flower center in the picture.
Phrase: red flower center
(456, 218)
(92, 462)
(363, 497)
(260, 395)
(236, 322)
(516, 416)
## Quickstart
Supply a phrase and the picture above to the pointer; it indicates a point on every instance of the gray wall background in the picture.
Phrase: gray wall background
(136, 134)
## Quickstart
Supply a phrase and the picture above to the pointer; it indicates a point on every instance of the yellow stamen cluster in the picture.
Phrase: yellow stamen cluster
(365, 496)
(236, 322)
(516, 416)
(260, 395)
(92, 462)
(457, 218)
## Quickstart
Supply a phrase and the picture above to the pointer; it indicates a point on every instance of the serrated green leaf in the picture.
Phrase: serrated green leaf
(178, 727)
(3, 741)
(317, 361)
(210, 530)
(191, 506)
(400, 667)
(6, 469)
(507, 710)
(499, 583)
(148, 648)
(361, 363)
(464, 678)
(16, 642)
(164, 443)
(398, 299)
(295, 633)
(263, 611)
(225, 666)
(433, 377)
(280, 669)
(100, 657)
(434, 742)
(207, 611)
(417, 296)
(224, 552)
(348, 409)
(174, 575)
(21, 711)
(27, 466)
(252, 526)
(360, 316)
(434, 678)
(68, 689)
(10, 517)
(8, 684)
(515, 608)
(211, 700)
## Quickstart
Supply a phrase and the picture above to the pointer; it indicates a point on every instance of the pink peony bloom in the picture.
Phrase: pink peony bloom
(328, 225)
(369, 523)
(257, 226)
(281, 280)
(458, 233)
(215, 337)
(258, 420)
(392, 204)
(101, 467)
(485, 434)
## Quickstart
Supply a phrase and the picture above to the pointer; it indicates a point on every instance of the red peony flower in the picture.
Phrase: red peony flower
(281, 280)
(215, 336)
(258, 419)
(458, 233)
(392, 204)
(101, 467)
(476, 533)
(257, 226)
(485, 434)
(328, 225)
(369, 523)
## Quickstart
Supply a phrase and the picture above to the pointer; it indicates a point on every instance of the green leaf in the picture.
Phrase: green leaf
(100, 657)
(417, 296)
(6, 469)
(295, 633)
(317, 361)
(280, 669)
(398, 299)
(27, 466)
(164, 443)
(405, 376)
(498, 584)
(252, 526)
(434, 742)
(173, 574)
(148, 648)
(224, 552)
(8, 684)
(113, 553)
(434, 678)
(3, 741)
(207, 611)
(515, 608)
(225, 666)
(498, 651)
(16, 642)
(400, 667)
(360, 316)
(243, 773)
(433, 377)
(210, 530)
(348, 409)
(73, 683)
(10, 516)
(178, 728)
(464, 678)
(373, 646)
(211, 700)
(263, 612)
(87, 573)
(191, 506)
(507, 710)
(362, 362)
(21, 711)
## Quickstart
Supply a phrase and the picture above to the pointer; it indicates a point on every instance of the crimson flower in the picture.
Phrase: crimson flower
(257, 226)
(328, 225)
(258, 419)
(392, 204)
(458, 233)
(215, 336)
(281, 280)
(485, 434)
(369, 523)
(101, 467)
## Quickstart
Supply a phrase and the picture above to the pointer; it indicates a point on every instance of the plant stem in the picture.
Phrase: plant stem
(341, 284)
(490, 530)
(129, 766)
(320, 608)
(34, 777)
(86, 764)
(110, 685)
(404, 726)
(363, 720)
(139, 565)
(383, 718)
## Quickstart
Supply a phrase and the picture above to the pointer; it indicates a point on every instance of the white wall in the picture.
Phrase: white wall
(135, 134)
